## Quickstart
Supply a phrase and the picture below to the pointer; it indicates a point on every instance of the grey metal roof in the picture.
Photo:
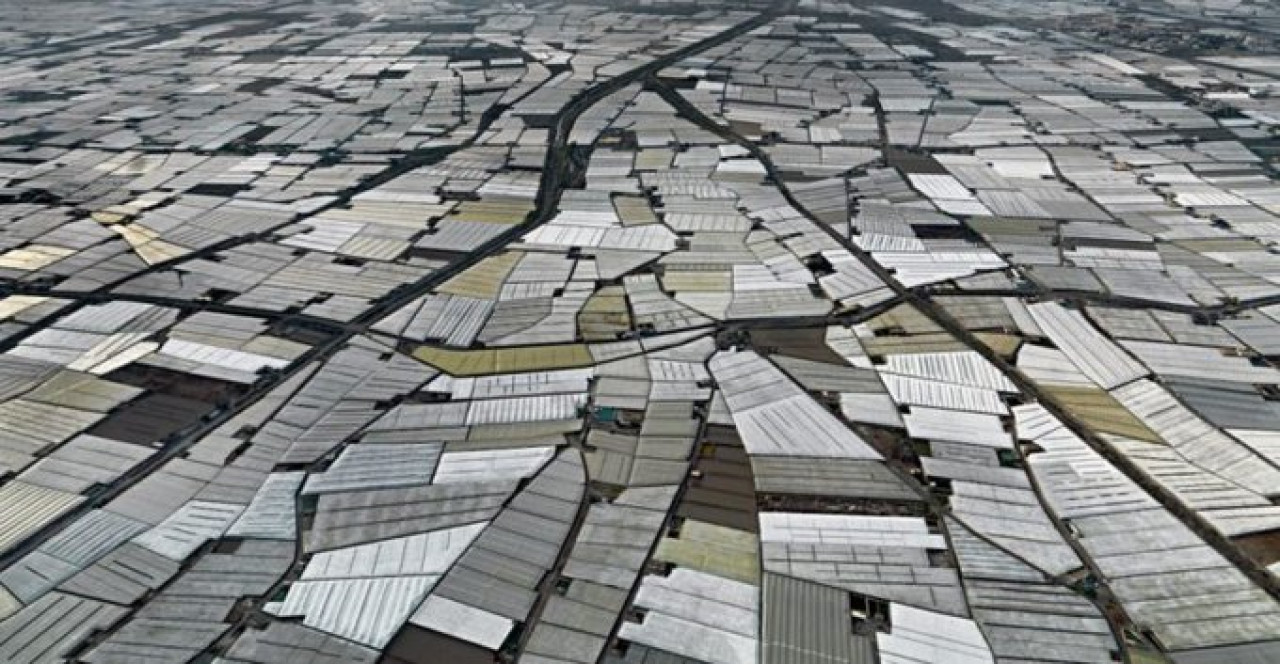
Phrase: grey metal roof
(886, 557)
(425, 554)
(290, 642)
(343, 607)
(340, 400)
(824, 377)
(18, 374)
(698, 615)
(84, 461)
(52, 626)
(857, 478)
(1264, 652)
(1185, 329)
(377, 466)
(504, 567)
(28, 427)
(26, 508)
(187, 615)
(584, 615)
(1014, 518)
(273, 512)
(775, 417)
(1130, 537)
(32, 576)
(123, 576)
(156, 641)
(1057, 278)
(1024, 615)
(980, 559)
(1261, 333)
(638, 654)
(1226, 404)
(159, 494)
(451, 235)
(78, 545)
(344, 519)
(189, 527)
(807, 623)
(604, 563)
(1122, 323)
(454, 319)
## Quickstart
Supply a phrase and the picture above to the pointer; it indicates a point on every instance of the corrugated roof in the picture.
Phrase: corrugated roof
(1196, 440)
(931, 393)
(188, 528)
(375, 467)
(461, 621)
(273, 512)
(1095, 355)
(25, 508)
(967, 368)
(952, 425)
(697, 615)
(344, 519)
(886, 557)
(287, 642)
(803, 622)
(45, 631)
(1226, 404)
(918, 635)
(77, 546)
(123, 576)
(430, 554)
(482, 465)
(86, 461)
(1013, 518)
(826, 377)
(504, 568)
(367, 610)
(774, 417)
(1189, 361)
(859, 478)
(187, 615)
(1129, 535)
(27, 427)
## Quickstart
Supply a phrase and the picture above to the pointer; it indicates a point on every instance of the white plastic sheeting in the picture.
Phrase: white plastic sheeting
(196, 522)
(920, 636)
(774, 416)
(367, 611)
(949, 425)
(273, 512)
(430, 554)
(849, 529)
(698, 615)
(467, 623)
(1094, 354)
(960, 367)
(485, 465)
